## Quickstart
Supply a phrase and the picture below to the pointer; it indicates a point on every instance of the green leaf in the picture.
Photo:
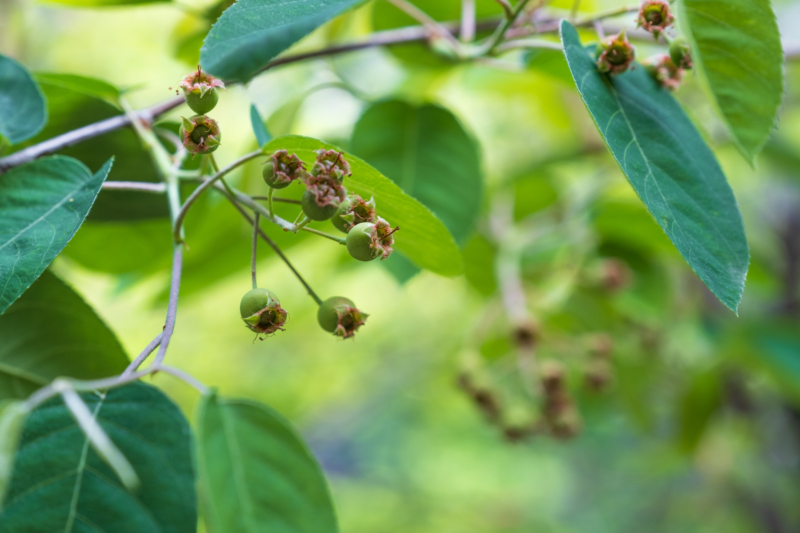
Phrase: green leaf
(81, 84)
(479, 260)
(257, 475)
(59, 483)
(12, 419)
(252, 32)
(259, 129)
(669, 166)
(736, 47)
(697, 405)
(401, 267)
(50, 332)
(427, 152)
(42, 205)
(423, 238)
(22, 106)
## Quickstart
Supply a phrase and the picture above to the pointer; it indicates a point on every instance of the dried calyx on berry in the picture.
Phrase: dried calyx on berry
(615, 54)
(324, 188)
(680, 52)
(664, 71)
(655, 16)
(354, 211)
(281, 169)
(200, 134)
(559, 413)
(200, 90)
(262, 312)
(368, 241)
(340, 316)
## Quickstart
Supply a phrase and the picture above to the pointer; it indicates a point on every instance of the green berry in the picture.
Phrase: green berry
(337, 220)
(679, 51)
(271, 177)
(202, 103)
(261, 311)
(313, 210)
(360, 242)
(339, 315)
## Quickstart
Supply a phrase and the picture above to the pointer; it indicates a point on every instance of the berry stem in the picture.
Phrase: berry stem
(136, 363)
(302, 224)
(340, 240)
(269, 201)
(272, 245)
(277, 199)
(255, 249)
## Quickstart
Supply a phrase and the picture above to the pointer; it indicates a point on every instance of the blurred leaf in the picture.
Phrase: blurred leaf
(427, 152)
(42, 205)
(550, 62)
(80, 84)
(59, 483)
(103, 3)
(141, 246)
(401, 267)
(77, 343)
(12, 419)
(73, 106)
(252, 32)
(772, 346)
(736, 47)
(479, 256)
(257, 474)
(666, 161)
(22, 107)
(698, 403)
(259, 129)
(423, 238)
(533, 193)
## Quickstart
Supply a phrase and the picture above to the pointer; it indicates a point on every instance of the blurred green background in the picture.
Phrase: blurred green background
(697, 425)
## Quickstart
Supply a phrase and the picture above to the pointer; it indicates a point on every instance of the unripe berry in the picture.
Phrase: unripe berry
(200, 90)
(367, 241)
(340, 316)
(261, 311)
(665, 72)
(655, 16)
(314, 210)
(679, 51)
(281, 169)
(353, 211)
(200, 134)
(615, 54)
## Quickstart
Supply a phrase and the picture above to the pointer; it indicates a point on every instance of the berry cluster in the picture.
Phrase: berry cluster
(200, 134)
(615, 54)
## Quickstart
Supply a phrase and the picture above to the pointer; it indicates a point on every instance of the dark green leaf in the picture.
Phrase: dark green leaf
(259, 129)
(22, 106)
(12, 419)
(256, 472)
(669, 165)
(80, 84)
(423, 238)
(427, 152)
(252, 32)
(77, 343)
(60, 484)
(42, 205)
(736, 46)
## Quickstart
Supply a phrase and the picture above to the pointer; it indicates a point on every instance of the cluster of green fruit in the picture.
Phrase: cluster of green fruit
(200, 134)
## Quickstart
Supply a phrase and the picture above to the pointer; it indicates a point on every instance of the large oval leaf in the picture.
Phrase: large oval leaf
(50, 332)
(422, 236)
(669, 165)
(59, 483)
(736, 46)
(22, 108)
(427, 152)
(257, 475)
(252, 32)
(42, 205)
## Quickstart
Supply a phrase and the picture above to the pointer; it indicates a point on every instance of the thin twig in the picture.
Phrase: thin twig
(255, 251)
(499, 33)
(136, 363)
(529, 43)
(172, 308)
(180, 374)
(202, 188)
(467, 31)
(434, 27)
(508, 11)
(87, 132)
(140, 186)
(272, 244)
(276, 199)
